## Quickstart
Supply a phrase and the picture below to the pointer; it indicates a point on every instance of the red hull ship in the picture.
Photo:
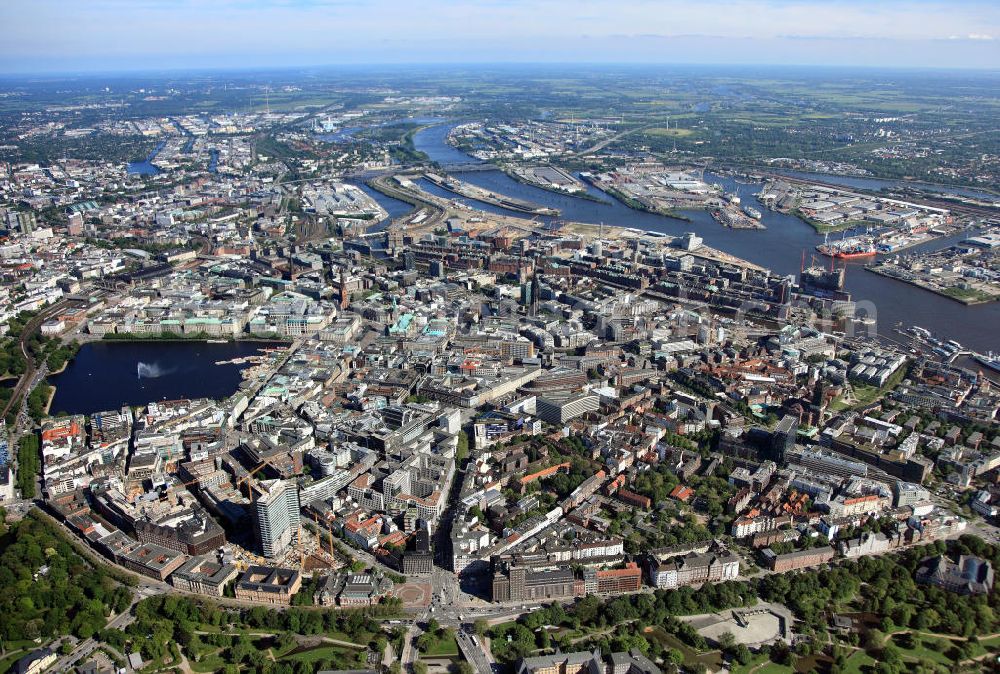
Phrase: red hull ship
(848, 249)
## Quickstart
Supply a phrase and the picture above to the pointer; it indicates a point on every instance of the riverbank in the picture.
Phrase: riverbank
(960, 295)
(779, 248)
(434, 213)
(398, 195)
(52, 396)
(470, 191)
(407, 150)
(586, 196)
(63, 367)
(900, 183)
(200, 337)
(639, 206)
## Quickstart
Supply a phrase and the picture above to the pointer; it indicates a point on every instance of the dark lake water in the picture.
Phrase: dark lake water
(107, 375)
(780, 247)
(145, 167)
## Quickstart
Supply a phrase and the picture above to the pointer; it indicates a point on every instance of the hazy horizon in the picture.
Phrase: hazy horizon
(60, 36)
(541, 68)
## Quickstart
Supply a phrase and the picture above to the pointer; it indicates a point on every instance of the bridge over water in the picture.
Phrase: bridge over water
(466, 167)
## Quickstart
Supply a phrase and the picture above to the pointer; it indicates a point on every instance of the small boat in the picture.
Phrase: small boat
(989, 360)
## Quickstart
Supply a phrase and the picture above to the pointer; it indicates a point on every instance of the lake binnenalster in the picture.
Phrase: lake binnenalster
(107, 375)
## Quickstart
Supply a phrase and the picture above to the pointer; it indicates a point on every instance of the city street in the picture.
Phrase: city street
(475, 652)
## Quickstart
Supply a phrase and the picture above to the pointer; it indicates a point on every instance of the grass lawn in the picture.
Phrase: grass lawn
(7, 662)
(566, 632)
(21, 644)
(281, 652)
(983, 647)
(744, 669)
(167, 660)
(967, 294)
(711, 659)
(775, 668)
(209, 663)
(360, 640)
(921, 653)
(232, 630)
(838, 405)
(992, 642)
(443, 648)
(858, 662)
(323, 653)
(865, 394)
(671, 132)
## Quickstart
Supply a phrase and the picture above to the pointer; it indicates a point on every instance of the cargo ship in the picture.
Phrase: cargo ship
(847, 249)
(753, 212)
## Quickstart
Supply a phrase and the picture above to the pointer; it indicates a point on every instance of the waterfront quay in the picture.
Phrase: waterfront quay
(967, 273)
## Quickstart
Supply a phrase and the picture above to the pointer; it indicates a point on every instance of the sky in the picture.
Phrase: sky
(81, 35)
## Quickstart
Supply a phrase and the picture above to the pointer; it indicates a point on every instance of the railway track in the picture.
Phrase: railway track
(30, 370)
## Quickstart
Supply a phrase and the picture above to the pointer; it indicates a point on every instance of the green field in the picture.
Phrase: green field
(711, 659)
(325, 652)
(671, 132)
(970, 295)
(921, 652)
(858, 663)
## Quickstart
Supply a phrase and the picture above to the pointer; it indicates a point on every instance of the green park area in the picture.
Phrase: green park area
(897, 625)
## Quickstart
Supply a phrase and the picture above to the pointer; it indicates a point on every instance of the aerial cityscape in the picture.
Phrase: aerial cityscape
(557, 340)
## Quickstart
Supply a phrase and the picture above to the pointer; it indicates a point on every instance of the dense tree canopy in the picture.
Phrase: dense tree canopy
(49, 589)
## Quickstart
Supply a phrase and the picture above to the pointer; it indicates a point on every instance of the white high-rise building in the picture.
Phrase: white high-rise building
(276, 516)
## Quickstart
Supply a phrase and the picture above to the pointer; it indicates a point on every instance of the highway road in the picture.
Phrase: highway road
(607, 141)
